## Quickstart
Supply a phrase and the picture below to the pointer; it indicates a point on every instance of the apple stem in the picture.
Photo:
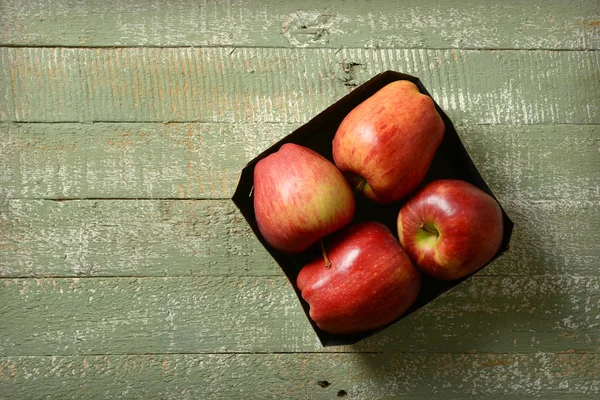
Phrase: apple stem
(327, 262)
(429, 229)
(360, 185)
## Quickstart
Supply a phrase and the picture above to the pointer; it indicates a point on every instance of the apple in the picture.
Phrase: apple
(369, 282)
(450, 228)
(386, 144)
(299, 197)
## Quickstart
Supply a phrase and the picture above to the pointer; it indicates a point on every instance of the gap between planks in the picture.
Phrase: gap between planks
(479, 275)
(233, 48)
(62, 200)
(19, 123)
(326, 351)
(125, 198)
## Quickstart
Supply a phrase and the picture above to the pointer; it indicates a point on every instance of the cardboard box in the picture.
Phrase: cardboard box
(451, 161)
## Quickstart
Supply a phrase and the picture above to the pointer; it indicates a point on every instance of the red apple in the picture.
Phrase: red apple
(385, 145)
(450, 228)
(370, 281)
(299, 197)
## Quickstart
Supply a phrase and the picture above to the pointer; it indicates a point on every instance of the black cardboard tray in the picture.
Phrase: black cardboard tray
(451, 161)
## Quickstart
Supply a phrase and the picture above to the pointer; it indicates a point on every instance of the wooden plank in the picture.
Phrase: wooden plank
(140, 238)
(6, 89)
(191, 160)
(292, 85)
(458, 24)
(65, 316)
(211, 238)
(129, 160)
(303, 376)
(537, 162)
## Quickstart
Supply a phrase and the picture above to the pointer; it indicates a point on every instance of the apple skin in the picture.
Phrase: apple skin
(299, 198)
(370, 282)
(450, 228)
(386, 144)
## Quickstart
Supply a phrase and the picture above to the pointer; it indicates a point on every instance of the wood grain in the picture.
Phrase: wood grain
(302, 376)
(291, 85)
(6, 90)
(65, 316)
(351, 23)
(211, 238)
(191, 160)
(144, 238)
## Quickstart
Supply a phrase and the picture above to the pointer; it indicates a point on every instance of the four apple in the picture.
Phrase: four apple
(384, 148)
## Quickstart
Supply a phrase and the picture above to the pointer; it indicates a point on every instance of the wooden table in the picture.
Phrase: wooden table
(126, 271)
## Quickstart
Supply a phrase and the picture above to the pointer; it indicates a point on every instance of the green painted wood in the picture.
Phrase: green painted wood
(298, 376)
(65, 316)
(248, 73)
(114, 160)
(291, 85)
(143, 238)
(110, 160)
(211, 238)
(351, 23)
(6, 89)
